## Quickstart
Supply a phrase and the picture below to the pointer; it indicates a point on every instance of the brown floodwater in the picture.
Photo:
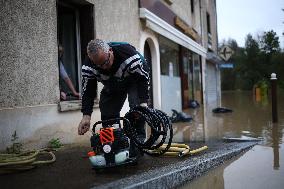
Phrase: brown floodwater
(260, 167)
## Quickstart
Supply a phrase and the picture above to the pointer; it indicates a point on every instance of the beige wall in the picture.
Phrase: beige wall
(183, 9)
(35, 126)
(28, 71)
(117, 21)
(28, 47)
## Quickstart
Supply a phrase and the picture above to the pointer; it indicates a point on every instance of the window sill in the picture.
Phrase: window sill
(65, 106)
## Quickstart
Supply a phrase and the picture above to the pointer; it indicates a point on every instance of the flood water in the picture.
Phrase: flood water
(260, 167)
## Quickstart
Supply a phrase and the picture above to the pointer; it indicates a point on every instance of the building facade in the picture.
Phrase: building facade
(177, 37)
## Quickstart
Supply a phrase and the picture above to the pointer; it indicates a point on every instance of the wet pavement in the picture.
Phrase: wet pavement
(72, 169)
(260, 167)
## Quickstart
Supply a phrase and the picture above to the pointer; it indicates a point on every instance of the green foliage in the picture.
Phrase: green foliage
(254, 63)
(270, 42)
(251, 46)
(55, 143)
(263, 85)
(16, 147)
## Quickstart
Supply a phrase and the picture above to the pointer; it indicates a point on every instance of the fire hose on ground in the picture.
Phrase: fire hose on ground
(23, 161)
(160, 126)
(180, 150)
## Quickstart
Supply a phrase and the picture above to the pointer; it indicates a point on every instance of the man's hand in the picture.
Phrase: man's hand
(84, 125)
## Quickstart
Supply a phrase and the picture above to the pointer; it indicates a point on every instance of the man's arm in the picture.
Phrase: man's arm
(88, 95)
(89, 85)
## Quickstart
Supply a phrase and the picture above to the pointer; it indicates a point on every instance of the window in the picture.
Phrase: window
(69, 61)
(209, 35)
(74, 31)
(169, 53)
(208, 22)
(192, 6)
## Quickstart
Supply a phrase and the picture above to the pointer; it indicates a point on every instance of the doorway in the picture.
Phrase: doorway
(148, 57)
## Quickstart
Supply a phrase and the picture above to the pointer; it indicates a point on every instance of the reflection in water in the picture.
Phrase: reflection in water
(190, 131)
(258, 168)
(275, 145)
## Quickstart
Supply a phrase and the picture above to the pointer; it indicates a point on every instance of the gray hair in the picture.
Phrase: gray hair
(97, 44)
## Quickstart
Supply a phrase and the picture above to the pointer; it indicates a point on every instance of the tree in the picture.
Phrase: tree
(270, 42)
(251, 46)
(233, 44)
(250, 67)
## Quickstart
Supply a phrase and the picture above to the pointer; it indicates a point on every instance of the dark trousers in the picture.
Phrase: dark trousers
(112, 99)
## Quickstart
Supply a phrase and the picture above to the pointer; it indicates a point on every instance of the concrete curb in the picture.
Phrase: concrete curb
(176, 174)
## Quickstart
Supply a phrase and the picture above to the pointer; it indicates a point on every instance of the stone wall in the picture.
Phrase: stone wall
(117, 21)
(28, 47)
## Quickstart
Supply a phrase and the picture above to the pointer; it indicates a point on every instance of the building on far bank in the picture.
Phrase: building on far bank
(177, 37)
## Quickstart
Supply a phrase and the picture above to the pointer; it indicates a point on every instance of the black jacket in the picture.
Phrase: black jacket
(128, 65)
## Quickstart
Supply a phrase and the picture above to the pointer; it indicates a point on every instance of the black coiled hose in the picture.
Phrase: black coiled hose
(159, 123)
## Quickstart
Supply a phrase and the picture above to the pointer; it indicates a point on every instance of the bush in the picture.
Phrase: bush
(263, 85)
(55, 143)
